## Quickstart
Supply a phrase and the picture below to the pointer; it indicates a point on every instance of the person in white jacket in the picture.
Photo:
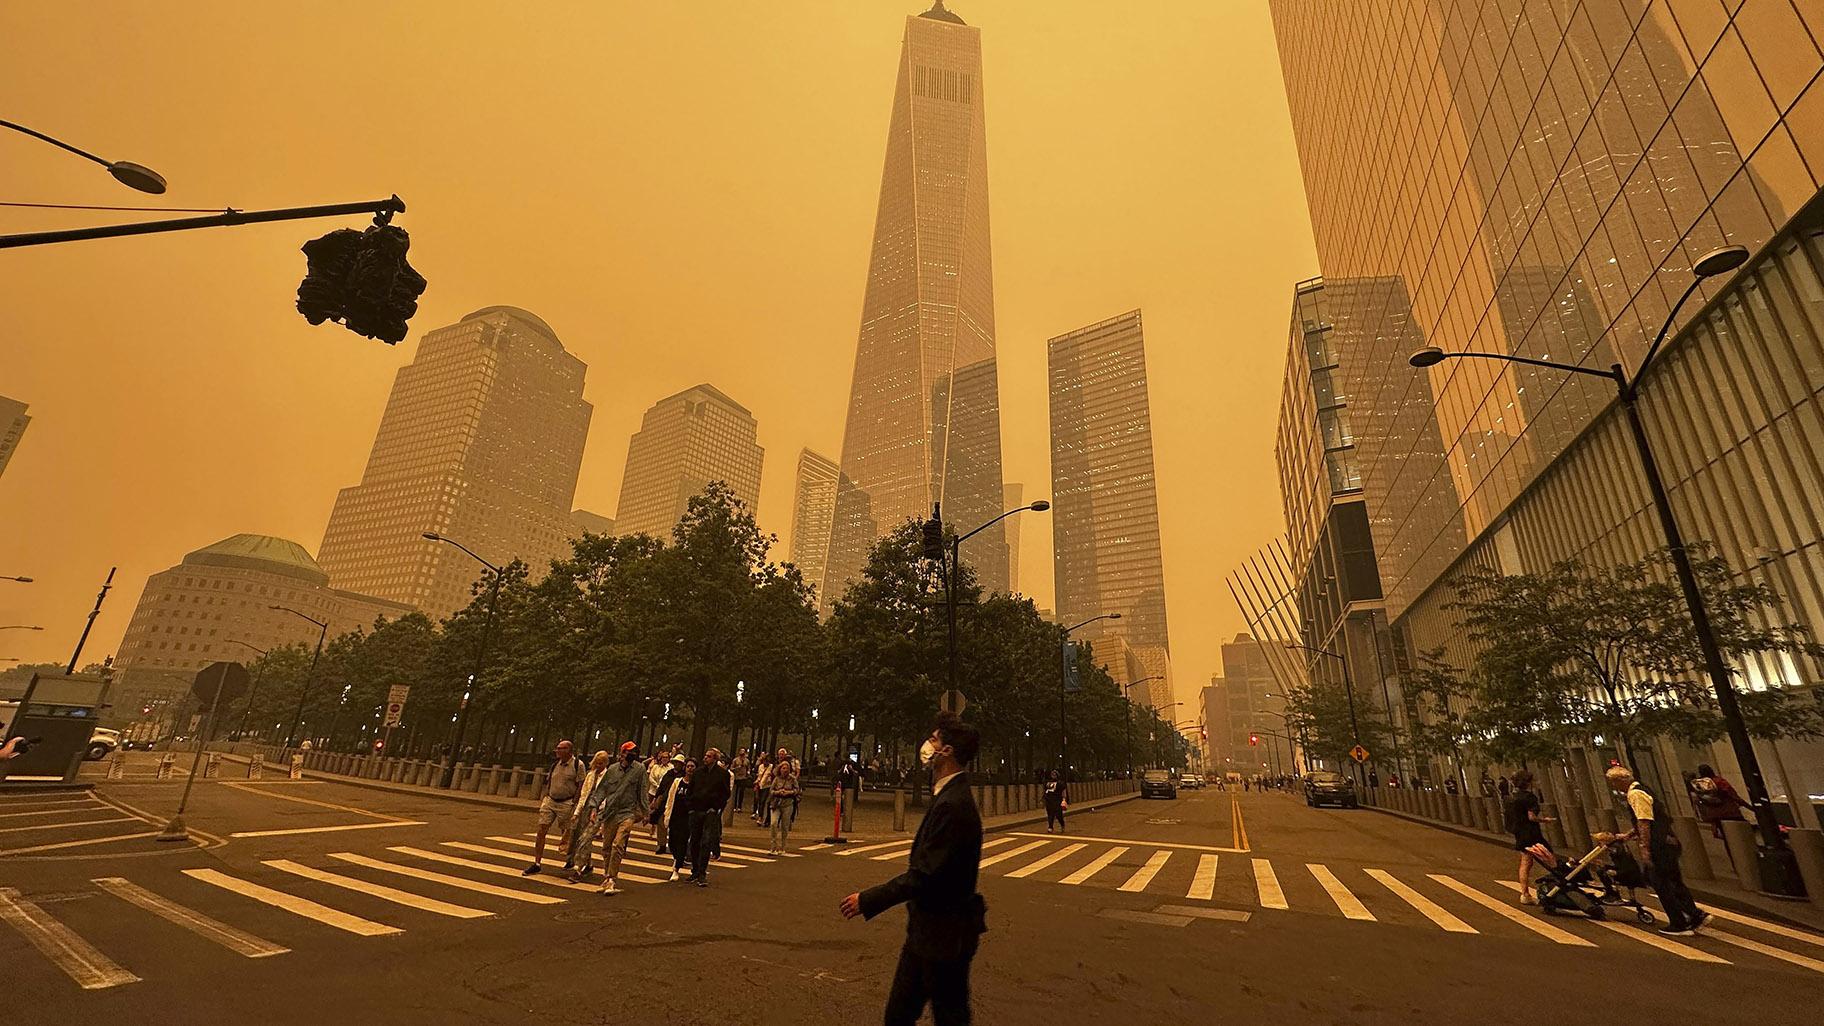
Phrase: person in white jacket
(582, 828)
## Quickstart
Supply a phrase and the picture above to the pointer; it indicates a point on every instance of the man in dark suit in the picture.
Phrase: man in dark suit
(945, 917)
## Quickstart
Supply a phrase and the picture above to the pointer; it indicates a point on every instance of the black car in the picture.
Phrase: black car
(1324, 787)
(1157, 784)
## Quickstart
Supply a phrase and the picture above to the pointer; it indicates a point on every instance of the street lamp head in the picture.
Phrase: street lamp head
(21, 580)
(1040, 506)
(1430, 356)
(431, 536)
(137, 176)
(1114, 616)
(1720, 261)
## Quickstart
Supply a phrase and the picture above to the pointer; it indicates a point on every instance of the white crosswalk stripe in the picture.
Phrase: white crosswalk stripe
(381, 891)
(490, 867)
(1100, 863)
(1048, 861)
(1508, 912)
(632, 858)
(1266, 883)
(1803, 961)
(1013, 853)
(1203, 885)
(79, 960)
(1762, 924)
(892, 855)
(768, 856)
(482, 849)
(864, 849)
(1144, 875)
(238, 941)
(1426, 907)
(1346, 902)
(297, 906)
(445, 879)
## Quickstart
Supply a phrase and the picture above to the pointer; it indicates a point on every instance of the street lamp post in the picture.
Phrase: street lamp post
(1128, 732)
(21, 580)
(1285, 721)
(934, 531)
(1355, 725)
(253, 690)
(1778, 867)
(127, 173)
(20, 627)
(1064, 679)
(481, 655)
(310, 678)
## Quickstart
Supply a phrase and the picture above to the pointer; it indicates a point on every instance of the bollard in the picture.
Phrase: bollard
(255, 764)
(490, 783)
(1576, 824)
(1554, 826)
(212, 765)
(117, 766)
(165, 762)
(1738, 836)
(1808, 850)
(1695, 862)
(899, 811)
(297, 767)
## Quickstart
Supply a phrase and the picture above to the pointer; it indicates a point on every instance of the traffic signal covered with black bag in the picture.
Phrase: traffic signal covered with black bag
(362, 280)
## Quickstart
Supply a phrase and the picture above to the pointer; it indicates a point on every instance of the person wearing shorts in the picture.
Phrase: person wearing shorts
(1523, 820)
(558, 805)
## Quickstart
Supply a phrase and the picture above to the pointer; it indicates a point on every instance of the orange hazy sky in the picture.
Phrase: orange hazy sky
(685, 191)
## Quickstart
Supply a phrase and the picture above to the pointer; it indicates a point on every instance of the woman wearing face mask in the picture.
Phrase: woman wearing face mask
(674, 813)
(784, 801)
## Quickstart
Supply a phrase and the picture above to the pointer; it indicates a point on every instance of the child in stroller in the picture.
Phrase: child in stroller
(1594, 883)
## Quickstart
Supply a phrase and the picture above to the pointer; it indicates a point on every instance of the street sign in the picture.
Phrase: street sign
(1072, 682)
(395, 703)
(952, 702)
(229, 678)
(1358, 753)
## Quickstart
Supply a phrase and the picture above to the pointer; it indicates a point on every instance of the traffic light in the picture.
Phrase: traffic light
(934, 536)
(1253, 739)
(361, 279)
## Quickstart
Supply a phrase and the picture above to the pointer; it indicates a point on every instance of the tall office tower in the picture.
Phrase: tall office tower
(12, 427)
(813, 510)
(1013, 496)
(1548, 177)
(685, 441)
(1253, 708)
(924, 420)
(587, 522)
(1104, 504)
(481, 442)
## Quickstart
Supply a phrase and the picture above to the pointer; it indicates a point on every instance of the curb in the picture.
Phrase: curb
(494, 801)
(1698, 890)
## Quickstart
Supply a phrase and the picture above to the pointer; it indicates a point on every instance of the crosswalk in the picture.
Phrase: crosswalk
(253, 910)
(1365, 894)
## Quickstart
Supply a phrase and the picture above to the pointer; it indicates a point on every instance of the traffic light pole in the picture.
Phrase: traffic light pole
(226, 219)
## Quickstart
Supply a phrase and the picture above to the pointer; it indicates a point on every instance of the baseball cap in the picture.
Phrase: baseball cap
(629, 746)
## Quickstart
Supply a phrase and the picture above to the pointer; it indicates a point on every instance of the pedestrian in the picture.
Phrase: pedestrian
(1057, 799)
(763, 783)
(582, 829)
(557, 806)
(709, 793)
(1716, 800)
(945, 917)
(1487, 784)
(675, 811)
(656, 768)
(1523, 819)
(743, 773)
(783, 799)
(617, 802)
(1450, 785)
(1503, 787)
(1659, 854)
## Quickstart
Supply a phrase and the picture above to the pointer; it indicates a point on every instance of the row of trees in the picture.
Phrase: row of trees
(704, 638)
(1579, 656)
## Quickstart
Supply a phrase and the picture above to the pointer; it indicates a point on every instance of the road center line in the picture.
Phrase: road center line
(324, 829)
(91, 969)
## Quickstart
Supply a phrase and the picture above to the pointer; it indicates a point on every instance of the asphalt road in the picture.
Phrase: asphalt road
(1145, 911)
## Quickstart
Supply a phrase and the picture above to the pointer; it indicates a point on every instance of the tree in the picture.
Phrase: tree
(1435, 694)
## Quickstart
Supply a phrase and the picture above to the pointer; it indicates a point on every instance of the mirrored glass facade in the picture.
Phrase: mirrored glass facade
(685, 441)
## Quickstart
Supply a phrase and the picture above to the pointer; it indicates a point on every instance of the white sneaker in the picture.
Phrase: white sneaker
(610, 888)
(674, 876)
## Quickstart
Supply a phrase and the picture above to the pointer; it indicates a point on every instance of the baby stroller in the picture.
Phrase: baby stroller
(1595, 883)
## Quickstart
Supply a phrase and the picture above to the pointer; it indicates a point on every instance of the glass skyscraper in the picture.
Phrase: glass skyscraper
(685, 441)
(482, 440)
(1537, 179)
(1105, 502)
(813, 509)
(924, 420)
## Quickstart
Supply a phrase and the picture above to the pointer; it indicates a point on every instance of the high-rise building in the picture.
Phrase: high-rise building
(481, 441)
(1104, 501)
(13, 420)
(924, 405)
(1252, 709)
(813, 510)
(587, 522)
(1539, 180)
(1013, 496)
(216, 603)
(685, 441)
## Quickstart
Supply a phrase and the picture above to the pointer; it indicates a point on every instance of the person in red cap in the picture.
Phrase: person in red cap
(617, 802)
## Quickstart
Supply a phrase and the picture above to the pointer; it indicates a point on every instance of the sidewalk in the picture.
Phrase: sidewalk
(1722, 893)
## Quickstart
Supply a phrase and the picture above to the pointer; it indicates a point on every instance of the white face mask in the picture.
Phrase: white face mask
(926, 752)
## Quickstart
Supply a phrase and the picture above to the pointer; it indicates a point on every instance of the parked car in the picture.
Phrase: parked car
(1157, 784)
(1327, 787)
(1190, 782)
(102, 743)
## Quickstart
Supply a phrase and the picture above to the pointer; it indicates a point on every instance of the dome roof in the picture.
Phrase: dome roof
(519, 315)
(263, 553)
